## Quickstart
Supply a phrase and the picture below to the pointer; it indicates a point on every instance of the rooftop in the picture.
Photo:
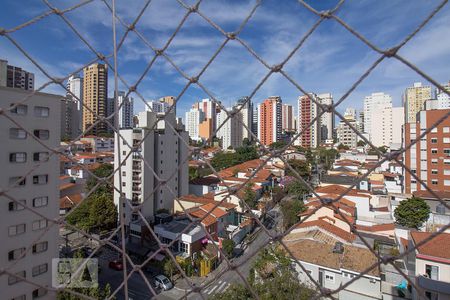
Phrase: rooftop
(437, 247)
(339, 190)
(444, 195)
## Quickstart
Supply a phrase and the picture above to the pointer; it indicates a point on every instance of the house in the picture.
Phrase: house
(393, 182)
(189, 202)
(432, 264)
(82, 172)
(66, 203)
(203, 185)
(213, 218)
(333, 263)
(98, 144)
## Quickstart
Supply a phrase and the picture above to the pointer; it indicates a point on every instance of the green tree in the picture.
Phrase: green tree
(300, 166)
(225, 160)
(277, 145)
(290, 210)
(228, 246)
(342, 147)
(193, 173)
(169, 268)
(327, 156)
(102, 213)
(297, 188)
(249, 196)
(103, 171)
(361, 143)
(412, 212)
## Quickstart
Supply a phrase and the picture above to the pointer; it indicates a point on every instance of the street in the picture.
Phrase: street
(138, 289)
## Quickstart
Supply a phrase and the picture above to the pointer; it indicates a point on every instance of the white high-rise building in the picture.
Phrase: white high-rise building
(75, 86)
(398, 121)
(231, 132)
(28, 245)
(125, 111)
(209, 108)
(157, 106)
(327, 119)
(163, 154)
(193, 119)
(442, 100)
(378, 118)
(247, 117)
(350, 112)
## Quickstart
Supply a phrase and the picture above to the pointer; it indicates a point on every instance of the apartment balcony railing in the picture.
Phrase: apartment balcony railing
(136, 189)
(433, 285)
(137, 178)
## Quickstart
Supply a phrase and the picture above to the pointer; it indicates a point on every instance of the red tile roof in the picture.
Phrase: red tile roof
(375, 228)
(438, 247)
(205, 200)
(209, 213)
(349, 237)
(339, 190)
(445, 195)
(68, 202)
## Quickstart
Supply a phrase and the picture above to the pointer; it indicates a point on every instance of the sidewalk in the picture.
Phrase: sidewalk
(182, 285)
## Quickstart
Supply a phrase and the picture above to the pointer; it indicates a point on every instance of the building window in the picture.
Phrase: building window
(15, 181)
(17, 133)
(16, 253)
(184, 247)
(434, 181)
(434, 151)
(446, 129)
(42, 134)
(329, 277)
(37, 293)
(14, 206)
(40, 269)
(16, 229)
(434, 140)
(446, 140)
(13, 279)
(40, 201)
(41, 111)
(434, 171)
(123, 183)
(447, 151)
(21, 297)
(39, 224)
(434, 161)
(124, 173)
(447, 182)
(40, 179)
(432, 272)
(40, 156)
(124, 152)
(40, 247)
(20, 109)
(18, 157)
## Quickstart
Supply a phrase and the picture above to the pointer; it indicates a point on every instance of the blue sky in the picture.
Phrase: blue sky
(329, 61)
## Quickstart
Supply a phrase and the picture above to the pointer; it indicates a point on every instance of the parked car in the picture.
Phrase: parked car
(163, 282)
(116, 265)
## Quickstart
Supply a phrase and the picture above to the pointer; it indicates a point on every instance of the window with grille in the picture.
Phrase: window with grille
(14, 206)
(40, 179)
(40, 156)
(41, 134)
(40, 201)
(18, 157)
(40, 292)
(16, 253)
(40, 247)
(20, 109)
(40, 269)
(17, 133)
(13, 279)
(41, 111)
(16, 229)
(39, 224)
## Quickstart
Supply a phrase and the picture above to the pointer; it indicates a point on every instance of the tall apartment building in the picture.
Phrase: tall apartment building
(414, 100)
(209, 110)
(110, 114)
(95, 97)
(287, 118)
(15, 77)
(231, 131)
(378, 118)
(429, 159)
(28, 246)
(157, 106)
(165, 154)
(442, 100)
(255, 122)
(193, 118)
(75, 86)
(398, 121)
(126, 107)
(327, 119)
(170, 100)
(345, 134)
(205, 129)
(70, 119)
(246, 107)
(307, 111)
(269, 118)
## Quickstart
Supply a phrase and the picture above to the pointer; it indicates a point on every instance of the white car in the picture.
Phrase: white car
(163, 282)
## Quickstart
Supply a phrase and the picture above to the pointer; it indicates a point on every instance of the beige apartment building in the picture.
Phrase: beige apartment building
(414, 100)
(27, 244)
(95, 94)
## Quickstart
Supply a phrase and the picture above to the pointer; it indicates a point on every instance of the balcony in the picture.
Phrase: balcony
(136, 189)
(433, 285)
(137, 178)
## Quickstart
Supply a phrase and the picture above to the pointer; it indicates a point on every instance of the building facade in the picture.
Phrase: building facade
(287, 118)
(231, 132)
(246, 108)
(157, 170)
(307, 111)
(28, 245)
(345, 134)
(414, 100)
(429, 158)
(95, 97)
(327, 119)
(70, 119)
(378, 118)
(75, 86)
(398, 121)
(15, 77)
(193, 119)
(269, 120)
(126, 108)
